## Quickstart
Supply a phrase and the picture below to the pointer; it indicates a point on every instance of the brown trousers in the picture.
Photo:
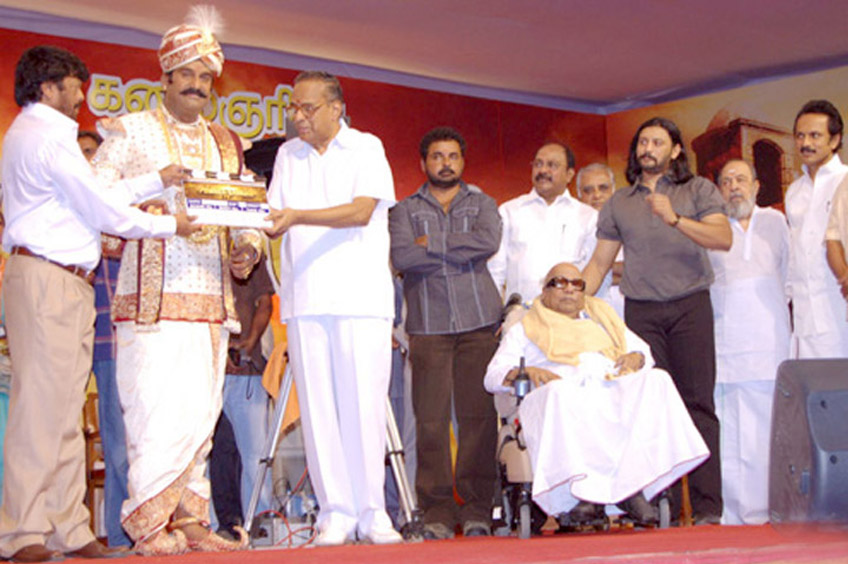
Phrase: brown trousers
(50, 325)
(448, 370)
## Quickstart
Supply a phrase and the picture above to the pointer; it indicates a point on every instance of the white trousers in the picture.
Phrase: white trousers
(342, 367)
(744, 410)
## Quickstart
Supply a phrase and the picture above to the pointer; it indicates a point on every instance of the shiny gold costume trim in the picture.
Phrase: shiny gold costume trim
(194, 505)
(152, 515)
(151, 305)
(204, 308)
(151, 277)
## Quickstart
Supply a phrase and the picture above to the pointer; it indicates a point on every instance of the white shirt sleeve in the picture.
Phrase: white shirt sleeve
(497, 262)
(507, 357)
(105, 208)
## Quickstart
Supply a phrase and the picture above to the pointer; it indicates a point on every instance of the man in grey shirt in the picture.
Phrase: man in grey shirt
(666, 220)
(441, 238)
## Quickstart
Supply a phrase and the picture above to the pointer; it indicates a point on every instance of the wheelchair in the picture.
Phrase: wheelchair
(514, 509)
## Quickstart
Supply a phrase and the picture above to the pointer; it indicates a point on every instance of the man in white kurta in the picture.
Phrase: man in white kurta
(595, 185)
(817, 304)
(331, 190)
(543, 227)
(601, 425)
(752, 334)
(173, 308)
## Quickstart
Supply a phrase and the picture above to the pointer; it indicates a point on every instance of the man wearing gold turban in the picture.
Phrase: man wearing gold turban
(602, 426)
(173, 307)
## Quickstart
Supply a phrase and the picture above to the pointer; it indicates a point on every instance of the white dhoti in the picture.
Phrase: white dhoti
(604, 441)
(744, 410)
(170, 382)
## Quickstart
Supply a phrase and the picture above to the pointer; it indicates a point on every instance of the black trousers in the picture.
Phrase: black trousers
(446, 370)
(680, 333)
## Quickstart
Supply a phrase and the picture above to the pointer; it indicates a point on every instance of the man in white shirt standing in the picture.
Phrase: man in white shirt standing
(330, 193)
(596, 185)
(544, 227)
(817, 304)
(55, 211)
(752, 333)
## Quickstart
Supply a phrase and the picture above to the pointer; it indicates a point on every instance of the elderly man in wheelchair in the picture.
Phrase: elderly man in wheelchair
(603, 428)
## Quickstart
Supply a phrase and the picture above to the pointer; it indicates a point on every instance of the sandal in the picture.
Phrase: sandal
(163, 543)
(211, 541)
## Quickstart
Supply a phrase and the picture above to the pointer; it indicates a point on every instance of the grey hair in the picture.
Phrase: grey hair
(595, 167)
(331, 83)
(741, 160)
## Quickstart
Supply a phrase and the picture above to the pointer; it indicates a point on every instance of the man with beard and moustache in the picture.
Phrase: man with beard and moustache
(666, 220)
(441, 238)
(543, 227)
(818, 309)
(752, 335)
(55, 210)
(173, 308)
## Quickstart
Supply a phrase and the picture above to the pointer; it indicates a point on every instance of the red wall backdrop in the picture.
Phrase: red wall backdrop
(502, 137)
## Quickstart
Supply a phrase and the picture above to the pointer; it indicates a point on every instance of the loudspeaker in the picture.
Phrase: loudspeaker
(808, 471)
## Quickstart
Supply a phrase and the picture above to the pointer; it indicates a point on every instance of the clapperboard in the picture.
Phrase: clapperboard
(221, 198)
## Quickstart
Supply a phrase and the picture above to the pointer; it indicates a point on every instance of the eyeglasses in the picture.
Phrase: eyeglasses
(539, 163)
(307, 109)
(560, 283)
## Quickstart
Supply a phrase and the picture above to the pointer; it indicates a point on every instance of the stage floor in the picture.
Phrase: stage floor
(700, 545)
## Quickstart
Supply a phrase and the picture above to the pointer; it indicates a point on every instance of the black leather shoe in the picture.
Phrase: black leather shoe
(707, 519)
(638, 508)
(586, 512)
(476, 529)
(437, 531)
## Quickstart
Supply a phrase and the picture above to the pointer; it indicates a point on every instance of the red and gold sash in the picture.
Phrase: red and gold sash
(151, 252)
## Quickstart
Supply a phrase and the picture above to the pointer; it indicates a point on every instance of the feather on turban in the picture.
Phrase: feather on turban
(194, 40)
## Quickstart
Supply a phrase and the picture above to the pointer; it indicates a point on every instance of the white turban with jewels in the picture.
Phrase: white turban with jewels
(194, 40)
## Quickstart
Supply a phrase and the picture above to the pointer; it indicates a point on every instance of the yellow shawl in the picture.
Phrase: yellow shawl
(562, 338)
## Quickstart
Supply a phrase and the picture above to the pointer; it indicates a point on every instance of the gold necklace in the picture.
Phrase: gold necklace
(207, 232)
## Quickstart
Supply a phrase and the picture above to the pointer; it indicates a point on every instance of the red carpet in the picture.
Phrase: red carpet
(701, 545)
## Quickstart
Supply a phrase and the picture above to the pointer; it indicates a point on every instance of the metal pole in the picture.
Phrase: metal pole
(412, 528)
(270, 446)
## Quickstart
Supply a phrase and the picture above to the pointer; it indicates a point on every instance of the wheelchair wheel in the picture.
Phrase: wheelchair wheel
(665, 512)
(524, 521)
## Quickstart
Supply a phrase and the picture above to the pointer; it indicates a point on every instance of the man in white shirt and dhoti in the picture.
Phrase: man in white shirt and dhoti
(818, 309)
(602, 426)
(752, 333)
(173, 307)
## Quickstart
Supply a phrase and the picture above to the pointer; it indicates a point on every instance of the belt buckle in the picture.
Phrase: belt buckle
(87, 275)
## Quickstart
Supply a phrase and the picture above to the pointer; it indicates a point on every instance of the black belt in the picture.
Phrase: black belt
(87, 275)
